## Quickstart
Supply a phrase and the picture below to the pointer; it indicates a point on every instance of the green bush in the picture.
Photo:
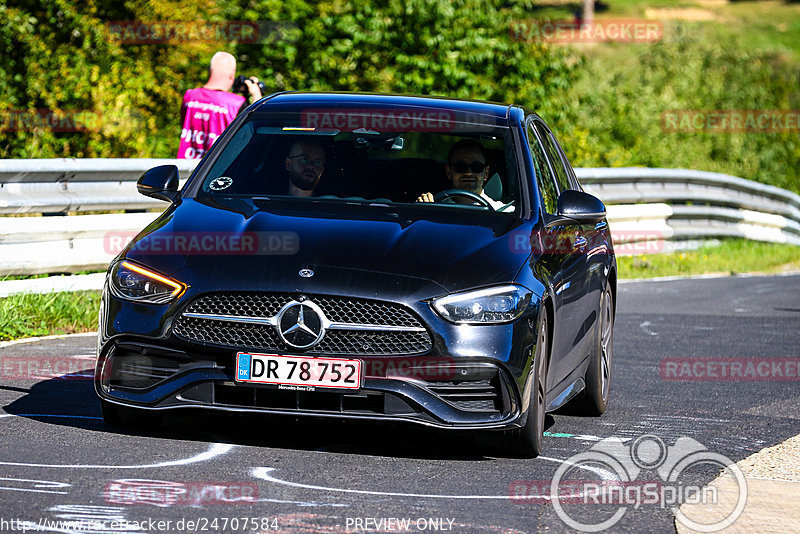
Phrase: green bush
(59, 57)
(620, 107)
(460, 49)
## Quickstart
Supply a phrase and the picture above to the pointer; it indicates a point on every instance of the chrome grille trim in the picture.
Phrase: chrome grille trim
(267, 321)
(368, 327)
(272, 321)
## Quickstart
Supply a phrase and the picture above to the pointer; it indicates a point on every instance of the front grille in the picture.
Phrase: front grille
(227, 333)
(363, 402)
(342, 310)
(345, 310)
(344, 342)
(472, 396)
(240, 304)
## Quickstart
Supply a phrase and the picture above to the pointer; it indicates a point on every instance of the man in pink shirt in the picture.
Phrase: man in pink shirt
(208, 110)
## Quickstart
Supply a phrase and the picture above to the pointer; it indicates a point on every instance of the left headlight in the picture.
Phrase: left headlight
(132, 281)
(494, 305)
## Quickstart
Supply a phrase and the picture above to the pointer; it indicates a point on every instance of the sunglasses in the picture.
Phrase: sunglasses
(476, 167)
(307, 160)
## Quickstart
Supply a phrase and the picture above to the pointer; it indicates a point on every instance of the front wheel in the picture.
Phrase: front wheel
(593, 401)
(527, 442)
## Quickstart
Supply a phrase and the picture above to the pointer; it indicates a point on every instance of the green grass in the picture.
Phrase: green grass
(30, 315)
(33, 276)
(732, 256)
(22, 277)
(766, 25)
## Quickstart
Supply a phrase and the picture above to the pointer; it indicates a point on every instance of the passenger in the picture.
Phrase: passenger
(467, 169)
(305, 165)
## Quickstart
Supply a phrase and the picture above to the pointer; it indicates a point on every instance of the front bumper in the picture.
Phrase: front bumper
(471, 378)
(465, 395)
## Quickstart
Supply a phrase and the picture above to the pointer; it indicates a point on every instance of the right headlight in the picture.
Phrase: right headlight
(132, 281)
(494, 305)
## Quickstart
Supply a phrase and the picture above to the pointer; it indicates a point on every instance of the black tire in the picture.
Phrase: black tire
(527, 442)
(593, 400)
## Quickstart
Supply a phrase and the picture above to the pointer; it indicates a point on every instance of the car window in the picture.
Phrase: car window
(574, 184)
(544, 177)
(370, 156)
(562, 178)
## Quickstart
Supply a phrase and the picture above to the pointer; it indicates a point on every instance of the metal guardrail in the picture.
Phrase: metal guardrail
(630, 185)
(78, 185)
(695, 204)
(650, 210)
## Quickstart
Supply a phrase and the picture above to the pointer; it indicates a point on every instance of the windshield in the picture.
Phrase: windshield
(431, 159)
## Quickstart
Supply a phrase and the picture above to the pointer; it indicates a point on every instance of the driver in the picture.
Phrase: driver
(467, 169)
(305, 164)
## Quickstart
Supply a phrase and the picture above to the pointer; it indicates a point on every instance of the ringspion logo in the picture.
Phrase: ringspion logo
(648, 472)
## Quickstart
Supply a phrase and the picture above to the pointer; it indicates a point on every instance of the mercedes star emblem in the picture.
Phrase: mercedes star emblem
(306, 273)
(301, 324)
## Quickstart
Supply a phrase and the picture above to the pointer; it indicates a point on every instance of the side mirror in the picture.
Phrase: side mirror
(160, 182)
(577, 207)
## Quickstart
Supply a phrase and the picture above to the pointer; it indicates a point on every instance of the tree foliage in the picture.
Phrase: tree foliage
(64, 58)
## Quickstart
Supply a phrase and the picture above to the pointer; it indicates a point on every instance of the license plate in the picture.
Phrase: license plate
(298, 371)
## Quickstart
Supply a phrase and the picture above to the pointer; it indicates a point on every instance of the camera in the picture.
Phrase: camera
(240, 87)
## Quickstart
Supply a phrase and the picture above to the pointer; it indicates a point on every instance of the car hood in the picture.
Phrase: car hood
(347, 247)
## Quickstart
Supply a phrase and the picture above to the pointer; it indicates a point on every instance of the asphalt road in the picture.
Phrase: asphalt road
(58, 461)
